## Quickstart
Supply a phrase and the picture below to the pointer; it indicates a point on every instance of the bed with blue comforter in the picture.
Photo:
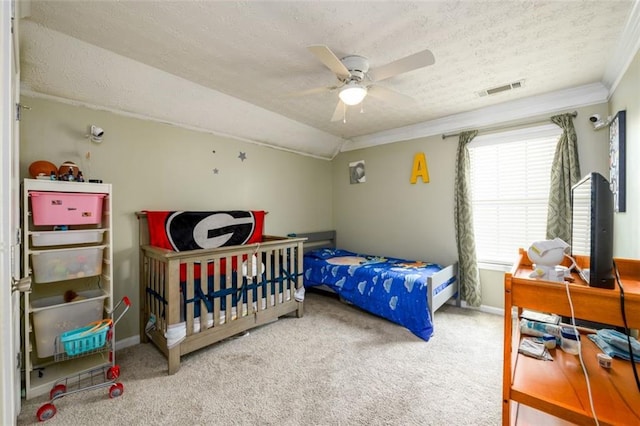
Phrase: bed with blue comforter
(406, 292)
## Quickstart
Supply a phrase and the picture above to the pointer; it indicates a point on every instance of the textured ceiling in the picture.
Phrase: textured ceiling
(256, 52)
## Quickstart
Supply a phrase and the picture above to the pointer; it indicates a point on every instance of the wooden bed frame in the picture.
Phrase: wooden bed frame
(161, 297)
(327, 239)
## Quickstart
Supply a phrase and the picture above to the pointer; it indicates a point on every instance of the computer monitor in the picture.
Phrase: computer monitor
(592, 229)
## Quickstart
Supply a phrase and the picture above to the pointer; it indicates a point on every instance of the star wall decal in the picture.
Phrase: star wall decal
(215, 171)
(242, 156)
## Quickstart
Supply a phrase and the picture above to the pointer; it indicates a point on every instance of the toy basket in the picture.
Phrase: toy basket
(96, 337)
(85, 339)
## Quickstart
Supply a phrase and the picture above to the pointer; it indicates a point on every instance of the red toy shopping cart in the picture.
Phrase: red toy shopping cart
(97, 337)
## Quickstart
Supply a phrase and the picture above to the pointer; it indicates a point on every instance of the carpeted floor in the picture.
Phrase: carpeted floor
(335, 366)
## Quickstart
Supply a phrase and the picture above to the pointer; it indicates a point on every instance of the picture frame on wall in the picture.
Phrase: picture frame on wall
(617, 160)
(356, 172)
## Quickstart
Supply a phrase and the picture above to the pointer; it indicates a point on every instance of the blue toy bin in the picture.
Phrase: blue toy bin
(85, 339)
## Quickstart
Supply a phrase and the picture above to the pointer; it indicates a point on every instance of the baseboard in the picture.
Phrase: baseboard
(129, 341)
(485, 308)
(492, 310)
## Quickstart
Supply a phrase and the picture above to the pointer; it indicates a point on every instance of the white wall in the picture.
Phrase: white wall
(156, 166)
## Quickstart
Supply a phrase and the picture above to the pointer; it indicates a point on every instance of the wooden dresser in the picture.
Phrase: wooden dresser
(555, 392)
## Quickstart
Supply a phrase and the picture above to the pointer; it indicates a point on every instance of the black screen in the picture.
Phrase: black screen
(592, 228)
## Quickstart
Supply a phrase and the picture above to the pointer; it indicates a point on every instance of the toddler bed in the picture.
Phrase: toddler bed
(406, 292)
(206, 276)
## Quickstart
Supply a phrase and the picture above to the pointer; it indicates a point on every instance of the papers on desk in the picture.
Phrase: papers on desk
(540, 317)
(535, 349)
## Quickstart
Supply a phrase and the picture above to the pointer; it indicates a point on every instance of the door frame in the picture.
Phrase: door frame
(9, 216)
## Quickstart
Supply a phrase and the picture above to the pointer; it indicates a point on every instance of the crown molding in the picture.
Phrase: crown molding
(149, 93)
(549, 103)
(628, 46)
(26, 90)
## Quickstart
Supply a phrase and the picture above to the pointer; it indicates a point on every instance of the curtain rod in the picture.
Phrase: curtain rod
(444, 136)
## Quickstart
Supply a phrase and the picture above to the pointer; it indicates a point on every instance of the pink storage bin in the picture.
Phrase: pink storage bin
(66, 208)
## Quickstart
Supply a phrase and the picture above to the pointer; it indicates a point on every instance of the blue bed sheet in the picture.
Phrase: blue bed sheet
(395, 289)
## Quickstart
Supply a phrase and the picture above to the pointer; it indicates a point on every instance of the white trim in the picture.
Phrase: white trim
(181, 102)
(491, 310)
(26, 91)
(8, 398)
(550, 103)
(482, 308)
(628, 46)
(129, 341)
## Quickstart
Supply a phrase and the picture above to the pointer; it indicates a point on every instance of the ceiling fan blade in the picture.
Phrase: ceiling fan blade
(389, 95)
(313, 91)
(330, 60)
(339, 113)
(406, 64)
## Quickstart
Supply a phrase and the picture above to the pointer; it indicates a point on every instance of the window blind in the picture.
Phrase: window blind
(510, 178)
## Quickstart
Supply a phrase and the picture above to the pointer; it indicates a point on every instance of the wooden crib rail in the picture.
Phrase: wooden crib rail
(214, 313)
(268, 242)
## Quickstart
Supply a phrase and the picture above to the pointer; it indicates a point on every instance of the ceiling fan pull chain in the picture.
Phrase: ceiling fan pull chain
(344, 113)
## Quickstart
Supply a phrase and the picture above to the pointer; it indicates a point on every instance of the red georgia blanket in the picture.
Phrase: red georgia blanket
(192, 230)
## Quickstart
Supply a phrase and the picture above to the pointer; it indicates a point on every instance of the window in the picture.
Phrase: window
(510, 178)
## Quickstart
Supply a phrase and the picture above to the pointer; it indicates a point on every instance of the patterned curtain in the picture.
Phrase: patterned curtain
(465, 240)
(565, 172)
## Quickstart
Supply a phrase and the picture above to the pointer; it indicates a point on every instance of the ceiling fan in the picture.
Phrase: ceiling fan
(357, 80)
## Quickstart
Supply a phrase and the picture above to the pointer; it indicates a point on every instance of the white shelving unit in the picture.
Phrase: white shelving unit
(64, 259)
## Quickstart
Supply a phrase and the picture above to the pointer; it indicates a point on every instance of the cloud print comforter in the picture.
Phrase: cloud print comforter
(395, 289)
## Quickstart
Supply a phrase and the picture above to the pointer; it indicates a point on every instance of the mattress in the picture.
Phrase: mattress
(392, 288)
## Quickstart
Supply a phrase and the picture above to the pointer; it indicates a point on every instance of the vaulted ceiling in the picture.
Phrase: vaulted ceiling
(229, 67)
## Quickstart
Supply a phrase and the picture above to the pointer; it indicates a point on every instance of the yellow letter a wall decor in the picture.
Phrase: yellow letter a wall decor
(420, 168)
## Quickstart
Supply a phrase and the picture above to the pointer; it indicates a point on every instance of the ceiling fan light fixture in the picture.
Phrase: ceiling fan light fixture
(352, 94)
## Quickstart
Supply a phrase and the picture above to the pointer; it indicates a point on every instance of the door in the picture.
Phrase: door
(9, 217)
(16, 217)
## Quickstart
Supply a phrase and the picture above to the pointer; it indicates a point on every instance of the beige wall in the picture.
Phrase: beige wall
(627, 224)
(156, 166)
(387, 215)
